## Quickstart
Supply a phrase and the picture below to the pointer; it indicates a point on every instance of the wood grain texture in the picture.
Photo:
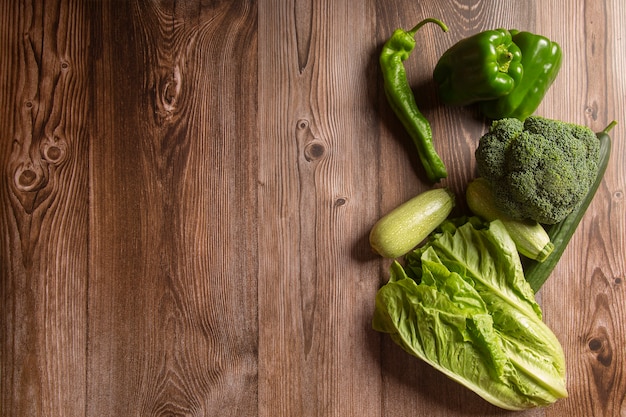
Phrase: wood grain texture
(44, 208)
(188, 185)
(316, 126)
(172, 298)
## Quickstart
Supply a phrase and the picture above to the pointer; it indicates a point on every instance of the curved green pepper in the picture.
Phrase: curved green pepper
(541, 59)
(481, 67)
(402, 101)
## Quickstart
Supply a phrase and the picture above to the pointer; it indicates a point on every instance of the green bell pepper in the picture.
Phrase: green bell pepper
(484, 66)
(541, 59)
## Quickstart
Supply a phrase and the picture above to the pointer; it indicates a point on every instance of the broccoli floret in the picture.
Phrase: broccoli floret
(539, 169)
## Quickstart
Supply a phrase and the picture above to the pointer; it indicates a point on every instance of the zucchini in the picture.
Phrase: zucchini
(561, 233)
(531, 239)
(404, 227)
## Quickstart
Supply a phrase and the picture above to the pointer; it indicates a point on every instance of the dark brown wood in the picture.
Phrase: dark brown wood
(45, 208)
(187, 189)
(173, 286)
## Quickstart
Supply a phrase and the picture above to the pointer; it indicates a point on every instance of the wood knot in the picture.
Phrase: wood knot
(302, 124)
(29, 178)
(600, 346)
(167, 92)
(313, 151)
(313, 148)
(591, 110)
(595, 344)
(54, 151)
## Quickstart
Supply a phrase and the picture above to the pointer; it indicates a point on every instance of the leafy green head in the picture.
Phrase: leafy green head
(539, 169)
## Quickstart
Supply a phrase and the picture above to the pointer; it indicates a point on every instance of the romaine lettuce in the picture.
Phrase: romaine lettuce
(461, 304)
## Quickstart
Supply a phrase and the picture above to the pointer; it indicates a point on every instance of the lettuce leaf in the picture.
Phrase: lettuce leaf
(461, 304)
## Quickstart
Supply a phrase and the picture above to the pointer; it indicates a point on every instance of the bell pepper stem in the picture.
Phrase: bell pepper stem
(504, 58)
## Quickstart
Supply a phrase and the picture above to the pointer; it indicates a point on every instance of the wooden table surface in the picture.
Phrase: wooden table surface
(187, 188)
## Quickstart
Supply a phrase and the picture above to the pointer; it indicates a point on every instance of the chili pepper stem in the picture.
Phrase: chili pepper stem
(417, 27)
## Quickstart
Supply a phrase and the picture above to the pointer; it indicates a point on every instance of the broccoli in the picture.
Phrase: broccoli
(539, 169)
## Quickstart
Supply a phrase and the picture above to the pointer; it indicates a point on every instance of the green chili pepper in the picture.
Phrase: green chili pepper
(541, 59)
(481, 67)
(400, 96)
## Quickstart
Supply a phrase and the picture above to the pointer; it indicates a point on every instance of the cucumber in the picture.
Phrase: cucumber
(561, 233)
(403, 228)
(531, 239)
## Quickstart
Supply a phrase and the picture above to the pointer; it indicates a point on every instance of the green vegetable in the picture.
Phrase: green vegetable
(403, 228)
(539, 169)
(529, 236)
(463, 306)
(561, 233)
(541, 59)
(481, 67)
(400, 96)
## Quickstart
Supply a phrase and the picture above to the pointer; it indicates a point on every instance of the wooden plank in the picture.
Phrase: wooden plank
(172, 297)
(317, 177)
(44, 217)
